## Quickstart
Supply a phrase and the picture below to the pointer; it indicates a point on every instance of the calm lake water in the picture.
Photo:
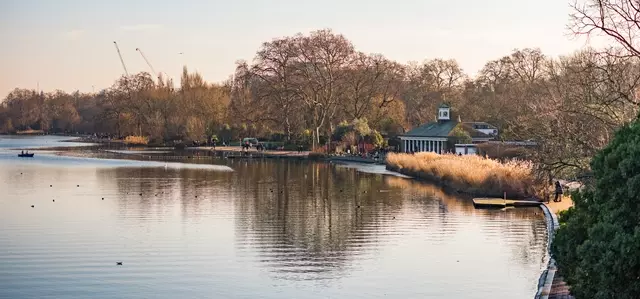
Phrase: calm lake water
(250, 229)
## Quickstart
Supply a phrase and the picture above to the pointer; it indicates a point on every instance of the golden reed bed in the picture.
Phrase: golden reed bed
(469, 174)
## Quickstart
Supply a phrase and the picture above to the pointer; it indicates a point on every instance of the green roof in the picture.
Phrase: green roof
(443, 129)
(434, 129)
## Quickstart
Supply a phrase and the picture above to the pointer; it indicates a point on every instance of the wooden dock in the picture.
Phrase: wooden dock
(487, 202)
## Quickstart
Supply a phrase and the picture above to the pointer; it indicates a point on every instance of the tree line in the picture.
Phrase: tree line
(598, 242)
(299, 89)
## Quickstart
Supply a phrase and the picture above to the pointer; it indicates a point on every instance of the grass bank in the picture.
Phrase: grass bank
(468, 174)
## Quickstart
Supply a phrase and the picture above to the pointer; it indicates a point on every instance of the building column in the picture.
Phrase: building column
(430, 146)
(438, 147)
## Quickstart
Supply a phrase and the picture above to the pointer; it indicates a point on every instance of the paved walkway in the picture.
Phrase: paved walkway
(252, 150)
(559, 289)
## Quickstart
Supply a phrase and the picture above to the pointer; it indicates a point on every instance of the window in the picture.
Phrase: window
(444, 114)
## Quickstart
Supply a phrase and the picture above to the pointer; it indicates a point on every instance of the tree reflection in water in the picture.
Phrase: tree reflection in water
(312, 221)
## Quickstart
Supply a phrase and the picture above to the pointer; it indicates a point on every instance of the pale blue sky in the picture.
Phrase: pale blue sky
(68, 44)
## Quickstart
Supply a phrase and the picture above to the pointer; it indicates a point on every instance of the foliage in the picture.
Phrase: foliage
(361, 127)
(597, 243)
(342, 129)
(461, 136)
(376, 139)
(469, 173)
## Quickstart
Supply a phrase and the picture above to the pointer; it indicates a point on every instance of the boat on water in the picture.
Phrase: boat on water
(27, 155)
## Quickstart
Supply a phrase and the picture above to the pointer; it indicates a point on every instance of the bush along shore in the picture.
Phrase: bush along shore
(469, 174)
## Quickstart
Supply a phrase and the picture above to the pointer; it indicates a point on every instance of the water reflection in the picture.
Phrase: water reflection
(269, 229)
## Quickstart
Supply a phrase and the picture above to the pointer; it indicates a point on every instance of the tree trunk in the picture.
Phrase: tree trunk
(287, 127)
(317, 140)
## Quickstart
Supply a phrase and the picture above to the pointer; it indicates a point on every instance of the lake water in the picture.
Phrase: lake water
(250, 229)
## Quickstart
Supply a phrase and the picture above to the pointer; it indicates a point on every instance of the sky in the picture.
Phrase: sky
(68, 44)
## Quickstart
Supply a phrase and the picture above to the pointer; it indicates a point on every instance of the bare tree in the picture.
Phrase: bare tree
(322, 56)
(273, 67)
(618, 19)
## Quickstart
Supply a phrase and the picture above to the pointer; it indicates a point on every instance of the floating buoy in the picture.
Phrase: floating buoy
(77, 185)
(50, 185)
(33, 206)
(103, 198)
(54, 200)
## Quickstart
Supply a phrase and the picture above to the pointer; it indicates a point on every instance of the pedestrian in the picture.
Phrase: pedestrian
(558, 197)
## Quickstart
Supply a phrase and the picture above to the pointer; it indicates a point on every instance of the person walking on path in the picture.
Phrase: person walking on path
(558, 192)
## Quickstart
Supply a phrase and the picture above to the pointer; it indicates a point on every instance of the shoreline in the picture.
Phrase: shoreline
(545, 282)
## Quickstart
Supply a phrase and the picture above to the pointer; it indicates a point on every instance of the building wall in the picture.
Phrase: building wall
(466, 149)
(488, 131)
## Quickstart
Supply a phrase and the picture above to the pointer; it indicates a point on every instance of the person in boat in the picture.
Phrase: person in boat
(558, 197)
(22, 153)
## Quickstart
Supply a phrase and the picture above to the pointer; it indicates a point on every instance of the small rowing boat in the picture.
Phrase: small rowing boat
(25, 155)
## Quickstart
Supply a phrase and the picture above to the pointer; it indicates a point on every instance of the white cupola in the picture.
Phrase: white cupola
(444, 112)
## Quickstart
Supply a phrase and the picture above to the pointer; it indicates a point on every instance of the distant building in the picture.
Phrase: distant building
(439, 136)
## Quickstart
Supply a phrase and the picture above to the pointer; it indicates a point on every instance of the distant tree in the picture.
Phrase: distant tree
(461, 136)
(376, 139)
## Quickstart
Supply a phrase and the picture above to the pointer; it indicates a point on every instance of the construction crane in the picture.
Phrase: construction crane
(121, 60)
(147, 61)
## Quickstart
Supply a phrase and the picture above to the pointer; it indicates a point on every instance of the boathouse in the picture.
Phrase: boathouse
(440, 137)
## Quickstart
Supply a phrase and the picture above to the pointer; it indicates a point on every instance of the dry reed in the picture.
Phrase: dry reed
(143, 140)
(470, 174)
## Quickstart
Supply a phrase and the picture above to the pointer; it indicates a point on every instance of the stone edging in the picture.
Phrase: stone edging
(546, 278)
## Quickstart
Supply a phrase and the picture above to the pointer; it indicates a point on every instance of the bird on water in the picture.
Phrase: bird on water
(119, 263)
